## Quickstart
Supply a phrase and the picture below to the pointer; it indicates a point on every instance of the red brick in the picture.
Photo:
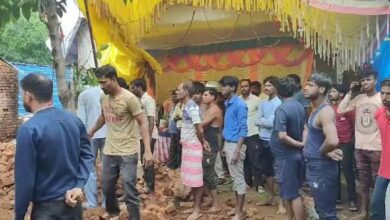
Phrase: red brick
(8, 102)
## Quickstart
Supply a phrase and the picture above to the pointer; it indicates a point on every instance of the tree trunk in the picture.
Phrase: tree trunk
(64, 92)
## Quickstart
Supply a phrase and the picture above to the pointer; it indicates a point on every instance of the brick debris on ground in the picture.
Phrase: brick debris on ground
(7, 181)
(170, 200)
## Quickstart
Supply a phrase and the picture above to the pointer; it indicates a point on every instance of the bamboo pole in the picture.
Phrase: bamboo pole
(91, 33)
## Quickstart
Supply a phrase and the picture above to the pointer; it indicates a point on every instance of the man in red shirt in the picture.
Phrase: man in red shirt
(345, 127)
(382, 181)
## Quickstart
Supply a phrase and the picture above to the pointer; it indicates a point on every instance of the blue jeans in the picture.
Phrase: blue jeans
(126, 166)
(378, 199)
(322, 176)
(91, 189)
(56, 210)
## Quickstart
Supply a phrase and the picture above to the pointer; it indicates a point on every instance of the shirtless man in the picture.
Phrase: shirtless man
(211, 123)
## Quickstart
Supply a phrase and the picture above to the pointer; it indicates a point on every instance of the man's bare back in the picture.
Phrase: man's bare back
(213, 117)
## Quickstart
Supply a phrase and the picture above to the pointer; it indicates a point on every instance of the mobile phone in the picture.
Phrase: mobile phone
(357, 87)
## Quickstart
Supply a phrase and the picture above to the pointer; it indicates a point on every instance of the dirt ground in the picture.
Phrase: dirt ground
(170, 200)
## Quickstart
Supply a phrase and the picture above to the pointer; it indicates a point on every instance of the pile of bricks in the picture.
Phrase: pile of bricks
(7, 181)
(8, 101)
(168, 189)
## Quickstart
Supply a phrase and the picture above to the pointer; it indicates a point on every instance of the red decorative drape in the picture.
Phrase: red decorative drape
(203, 62)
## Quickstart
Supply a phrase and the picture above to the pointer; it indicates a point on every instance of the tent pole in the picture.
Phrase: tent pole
(91, 33)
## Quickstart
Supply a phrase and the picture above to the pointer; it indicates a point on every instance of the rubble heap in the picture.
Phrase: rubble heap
(170, 200)
(7, 180)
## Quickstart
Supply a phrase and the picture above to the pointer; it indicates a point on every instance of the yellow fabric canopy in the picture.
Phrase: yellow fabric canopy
(129, 60)
(340, 38)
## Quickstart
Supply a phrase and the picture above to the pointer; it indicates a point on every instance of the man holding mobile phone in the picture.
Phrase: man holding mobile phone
(367, 136)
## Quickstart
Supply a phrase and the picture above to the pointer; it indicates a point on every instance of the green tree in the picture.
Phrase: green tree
(49, 11)
(24, 41)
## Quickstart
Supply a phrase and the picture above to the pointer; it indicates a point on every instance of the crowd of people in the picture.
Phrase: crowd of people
(282, 134)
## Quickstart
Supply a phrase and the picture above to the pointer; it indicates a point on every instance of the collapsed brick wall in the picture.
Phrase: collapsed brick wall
(168, 185)
(8, 102)
(7, 180)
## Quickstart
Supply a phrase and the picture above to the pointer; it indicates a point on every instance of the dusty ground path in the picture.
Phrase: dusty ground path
(163, 206)
(168, 203)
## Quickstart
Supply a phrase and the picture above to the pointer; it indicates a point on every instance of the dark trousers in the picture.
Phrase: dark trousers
(378, 199)
(210, 179)
(347, 166)
(322, 176)
(149, 173)
(113, 166)
(174, 160)
(252, 165)
(56, 210)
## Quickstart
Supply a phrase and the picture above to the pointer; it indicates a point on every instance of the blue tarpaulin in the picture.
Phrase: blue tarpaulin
(48, 71)
(382, 60)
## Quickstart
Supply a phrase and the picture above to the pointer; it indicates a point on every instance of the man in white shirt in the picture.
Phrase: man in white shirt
(252, 169)
(265, 122)
(89, 110)
(138, 88)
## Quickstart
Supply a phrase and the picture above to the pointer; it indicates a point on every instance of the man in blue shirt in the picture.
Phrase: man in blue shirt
(234, 132)
(286, 146)
(53, 156)
(265, 122)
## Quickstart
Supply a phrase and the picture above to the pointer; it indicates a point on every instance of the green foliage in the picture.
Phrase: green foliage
(11, 10)
(125, 1)
(82, 78)
(100, 50)
(103, 47)
(24, 41)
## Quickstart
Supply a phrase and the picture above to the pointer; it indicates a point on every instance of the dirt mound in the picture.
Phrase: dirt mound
(7, 180)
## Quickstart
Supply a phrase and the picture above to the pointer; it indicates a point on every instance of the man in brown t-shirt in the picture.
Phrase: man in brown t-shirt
(121, 112)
